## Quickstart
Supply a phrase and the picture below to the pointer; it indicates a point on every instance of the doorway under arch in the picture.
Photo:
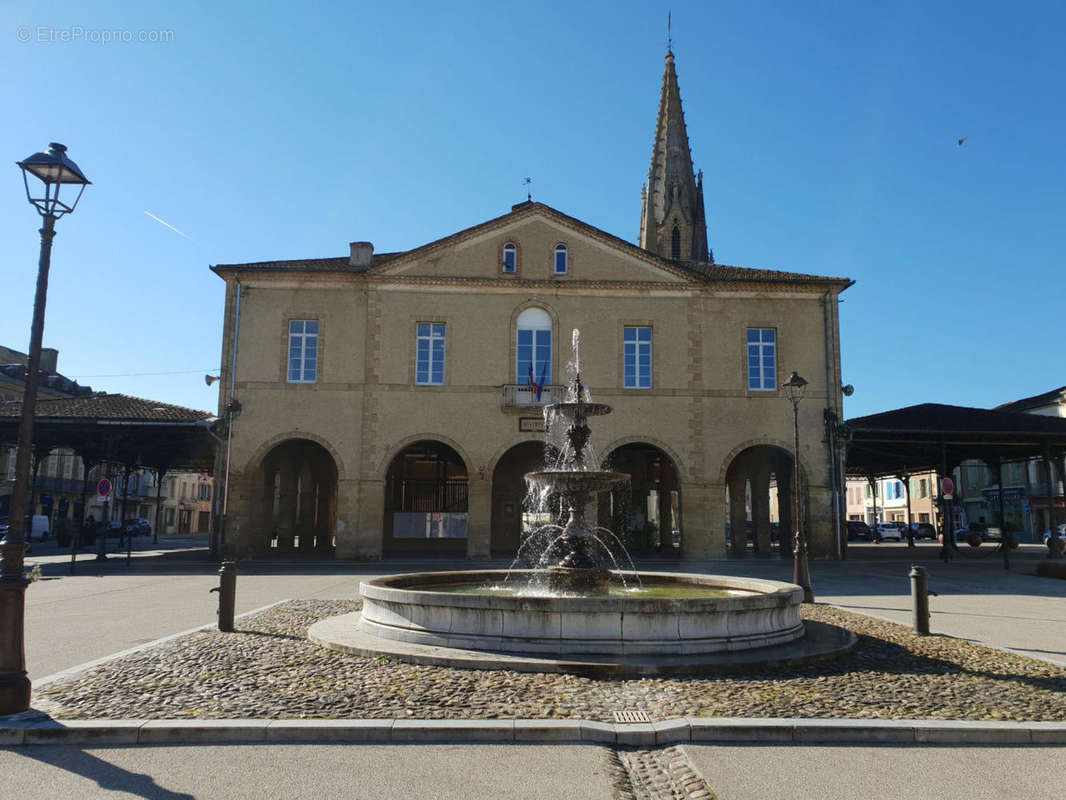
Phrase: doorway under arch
(646, 512)
(759, 507)
(510, 509)
(298, 507)
(426, 502)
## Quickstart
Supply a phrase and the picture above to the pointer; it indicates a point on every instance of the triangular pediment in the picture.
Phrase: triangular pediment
(535, 231)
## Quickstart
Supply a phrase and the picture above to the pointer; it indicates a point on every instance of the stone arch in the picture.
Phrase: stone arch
(295, 489)
(679, 465)
(509, 494)
(763, 472)
(760, 440)
(256, 459)
(520, 438)
(426, 501)
(645, 512)
(383, 466)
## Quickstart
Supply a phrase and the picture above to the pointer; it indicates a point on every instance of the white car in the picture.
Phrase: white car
(889, 530)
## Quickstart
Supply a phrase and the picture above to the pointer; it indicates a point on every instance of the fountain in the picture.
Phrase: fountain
(571, 611)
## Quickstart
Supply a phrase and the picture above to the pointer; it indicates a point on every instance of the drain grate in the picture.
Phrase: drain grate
(631, 715)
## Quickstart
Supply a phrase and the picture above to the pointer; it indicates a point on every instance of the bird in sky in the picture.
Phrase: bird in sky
(960, 141)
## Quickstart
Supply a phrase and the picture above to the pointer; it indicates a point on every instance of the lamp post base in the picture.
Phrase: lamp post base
(14, 682)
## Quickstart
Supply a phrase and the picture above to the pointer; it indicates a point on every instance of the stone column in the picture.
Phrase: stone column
(305, 525)
(738, 514)
(367, 539)
(479, 518)
(347, 518)
(285, 521)
(760, 508)
(821, 543)
(702, 535)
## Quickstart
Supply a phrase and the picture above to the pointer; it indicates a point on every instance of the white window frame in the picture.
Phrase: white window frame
(561, 250)
(304, 342)
(632, 351)
(765, 346)
(435, 332)
(510, 268)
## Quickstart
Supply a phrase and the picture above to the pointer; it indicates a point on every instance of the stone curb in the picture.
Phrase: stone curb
(695, 730)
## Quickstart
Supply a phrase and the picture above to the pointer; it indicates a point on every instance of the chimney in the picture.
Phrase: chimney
(49, 359)
(362, 254)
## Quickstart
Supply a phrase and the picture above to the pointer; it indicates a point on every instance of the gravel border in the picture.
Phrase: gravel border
(269, 671)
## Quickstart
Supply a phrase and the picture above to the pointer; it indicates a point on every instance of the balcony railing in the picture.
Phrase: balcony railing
(522, 396)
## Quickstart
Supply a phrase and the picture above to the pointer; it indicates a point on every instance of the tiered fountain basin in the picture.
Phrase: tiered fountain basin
(447, 609)
(677, 623)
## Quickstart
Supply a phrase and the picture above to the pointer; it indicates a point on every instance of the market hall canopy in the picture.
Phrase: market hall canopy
(931, 437)
(119, 428)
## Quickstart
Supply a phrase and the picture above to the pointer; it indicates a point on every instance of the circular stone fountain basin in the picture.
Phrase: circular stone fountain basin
(439, 609)
(571, 481)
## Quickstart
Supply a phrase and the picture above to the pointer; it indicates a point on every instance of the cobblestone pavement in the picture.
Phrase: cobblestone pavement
(270, 670)
(664, 774)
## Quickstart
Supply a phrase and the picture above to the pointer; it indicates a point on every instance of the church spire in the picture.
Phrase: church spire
(672, 222)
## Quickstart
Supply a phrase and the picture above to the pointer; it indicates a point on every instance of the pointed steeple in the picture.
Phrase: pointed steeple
(673, 224)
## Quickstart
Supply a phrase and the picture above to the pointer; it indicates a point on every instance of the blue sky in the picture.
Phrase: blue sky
(826, 132)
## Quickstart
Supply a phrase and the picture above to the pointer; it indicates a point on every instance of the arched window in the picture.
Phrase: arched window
(560, 259)
(675, 244)
(533, 364)
(510, 258)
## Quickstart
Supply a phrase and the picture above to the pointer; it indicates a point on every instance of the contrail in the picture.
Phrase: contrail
(164, 222)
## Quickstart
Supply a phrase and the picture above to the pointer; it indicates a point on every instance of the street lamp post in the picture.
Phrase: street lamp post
(55, 171)
(801, 573)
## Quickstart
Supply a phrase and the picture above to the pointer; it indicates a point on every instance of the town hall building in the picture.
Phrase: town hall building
(389, 404)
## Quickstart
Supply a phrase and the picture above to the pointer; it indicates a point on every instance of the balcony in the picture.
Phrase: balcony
(521, 397)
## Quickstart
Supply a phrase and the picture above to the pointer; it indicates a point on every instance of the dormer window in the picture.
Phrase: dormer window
(560, 259)
(510, 258)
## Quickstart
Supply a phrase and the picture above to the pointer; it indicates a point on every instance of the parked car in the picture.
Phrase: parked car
(921, 530)
(1062, 533)
(37, 527)
(857, 529)
(137, 527)
(889, 530)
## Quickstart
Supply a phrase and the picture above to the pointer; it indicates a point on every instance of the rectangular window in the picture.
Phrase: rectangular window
(762, 359)
(303, 351)
(636, 358)
(534, 357)
(429, 362)
(923, 488)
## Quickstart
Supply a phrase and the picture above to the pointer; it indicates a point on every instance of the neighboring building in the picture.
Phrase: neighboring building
(387, 403)
(891, 499)
(59, 484)
(56, 482)
(1026, 483)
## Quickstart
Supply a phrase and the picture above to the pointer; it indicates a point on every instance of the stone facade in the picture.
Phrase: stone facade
(325, 460)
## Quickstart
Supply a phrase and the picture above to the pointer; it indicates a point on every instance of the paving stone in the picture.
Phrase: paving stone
(270, 670)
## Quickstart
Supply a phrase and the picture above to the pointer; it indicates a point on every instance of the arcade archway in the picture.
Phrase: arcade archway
(646, 512)
(509, 505)
(426, 502)
(298, 504)
(759, 504)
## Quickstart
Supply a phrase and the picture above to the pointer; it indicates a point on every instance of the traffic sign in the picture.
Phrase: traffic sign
(947, 486)
(103, 488)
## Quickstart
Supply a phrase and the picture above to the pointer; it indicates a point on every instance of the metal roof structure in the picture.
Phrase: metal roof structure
(931, 436)
(119, 428)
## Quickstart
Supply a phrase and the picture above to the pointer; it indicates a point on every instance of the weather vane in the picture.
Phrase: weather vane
(669, 34)
(529, 192)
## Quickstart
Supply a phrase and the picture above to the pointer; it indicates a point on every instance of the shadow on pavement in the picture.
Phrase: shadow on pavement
(105, 774)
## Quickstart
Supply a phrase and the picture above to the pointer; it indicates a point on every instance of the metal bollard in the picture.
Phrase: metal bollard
(227, 595)
(920, 599)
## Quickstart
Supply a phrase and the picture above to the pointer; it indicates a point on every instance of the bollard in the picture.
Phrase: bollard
(227, 595)
(920, 599)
